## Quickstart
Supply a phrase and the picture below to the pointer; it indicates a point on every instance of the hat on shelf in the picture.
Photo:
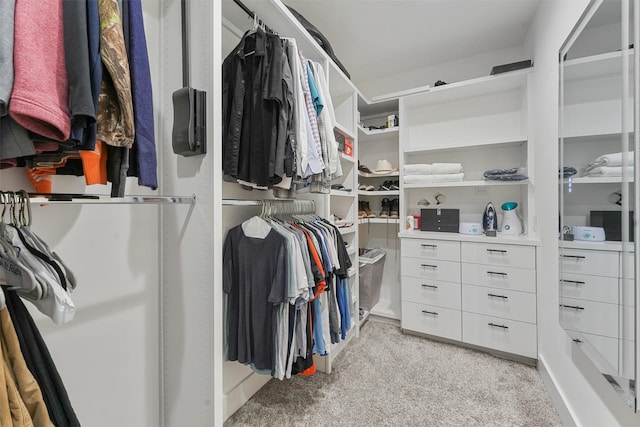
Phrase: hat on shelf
(383, 167)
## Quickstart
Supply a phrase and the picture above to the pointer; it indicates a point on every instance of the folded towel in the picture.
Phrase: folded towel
(611, 159)
(607, 171)
(418, 169)
(418, 179)
(449, 177)
(445, 168)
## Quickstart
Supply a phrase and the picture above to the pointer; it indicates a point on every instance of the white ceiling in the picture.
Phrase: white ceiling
(380, 38)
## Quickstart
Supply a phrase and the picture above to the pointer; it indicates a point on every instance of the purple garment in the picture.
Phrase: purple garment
(144, 161)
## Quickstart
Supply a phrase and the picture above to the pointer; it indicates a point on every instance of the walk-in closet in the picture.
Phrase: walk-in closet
(279, 212)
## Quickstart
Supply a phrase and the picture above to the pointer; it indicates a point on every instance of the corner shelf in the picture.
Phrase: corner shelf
(377, 175)
(379, 193)
(378, 221)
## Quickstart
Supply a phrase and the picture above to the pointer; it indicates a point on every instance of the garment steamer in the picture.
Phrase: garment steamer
(512, 222)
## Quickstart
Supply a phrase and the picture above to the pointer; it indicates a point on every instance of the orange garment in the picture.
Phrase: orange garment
(94, 164)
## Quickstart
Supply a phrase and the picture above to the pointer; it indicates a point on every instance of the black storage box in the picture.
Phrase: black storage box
(611, 221)
(445, 220)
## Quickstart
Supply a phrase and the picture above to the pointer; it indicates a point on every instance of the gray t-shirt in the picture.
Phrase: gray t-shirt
(255, 279)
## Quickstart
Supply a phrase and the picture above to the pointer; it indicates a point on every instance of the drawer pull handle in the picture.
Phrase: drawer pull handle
(429, 266)
(497, 296)
(577, 340)
(574, 256)
(424, 285)
(574, 282)
(429, 246)
(495, 325)
(575, 307)
(497, 273)
(501, 251)
(433, 313)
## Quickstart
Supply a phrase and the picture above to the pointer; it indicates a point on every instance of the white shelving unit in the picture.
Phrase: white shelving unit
(480, 123)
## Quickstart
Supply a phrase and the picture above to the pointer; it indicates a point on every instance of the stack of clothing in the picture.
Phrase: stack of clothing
(610, 165)
(435, 173)
(508, 174)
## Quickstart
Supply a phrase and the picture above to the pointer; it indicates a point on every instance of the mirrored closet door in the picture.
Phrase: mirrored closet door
(597, 194)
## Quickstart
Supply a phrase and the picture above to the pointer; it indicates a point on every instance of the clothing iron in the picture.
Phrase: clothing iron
(489, 219)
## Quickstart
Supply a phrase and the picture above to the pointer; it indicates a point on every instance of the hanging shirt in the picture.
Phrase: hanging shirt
(252, 93)
(254, 278)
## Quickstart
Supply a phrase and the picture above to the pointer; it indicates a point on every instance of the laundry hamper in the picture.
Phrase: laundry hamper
(371, 268)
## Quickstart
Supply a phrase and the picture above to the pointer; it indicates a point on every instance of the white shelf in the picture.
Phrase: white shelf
(349, 159)
(378, 221)
(469, 144)
(379, 193)
(104, 199)
(377, 175)
(345, 130)
(467, 89)
(590, 67)
(347, 230)
(341, 193)
(466, 184)
(598, 180)
(377, 132)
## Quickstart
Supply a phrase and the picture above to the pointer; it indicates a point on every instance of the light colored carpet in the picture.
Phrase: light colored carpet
(386, 378)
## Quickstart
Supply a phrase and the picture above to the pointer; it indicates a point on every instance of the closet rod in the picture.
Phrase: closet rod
(252, 14)
(276, 206)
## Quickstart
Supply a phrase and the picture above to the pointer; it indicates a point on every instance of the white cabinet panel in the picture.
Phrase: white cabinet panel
(433, 249)
(627, 361)
(499, 302)
(596, 263)
(498, 254)
(602, 351)
(499, 276)
(589, 317)
(594, 288)
(433, 292)
(431, 269)
(427, 319)
(501, 334)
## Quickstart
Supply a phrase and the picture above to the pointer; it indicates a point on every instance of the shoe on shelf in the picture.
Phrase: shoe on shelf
(394, 207)
(394, 185)
(384, 212)
(361, 211)
(365, 187)
(363, 168)
(385, 186)
(367, 210)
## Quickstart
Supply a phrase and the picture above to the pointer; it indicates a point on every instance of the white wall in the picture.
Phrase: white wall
(588, 398)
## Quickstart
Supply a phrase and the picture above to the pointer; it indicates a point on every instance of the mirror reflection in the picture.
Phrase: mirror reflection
(597, 192)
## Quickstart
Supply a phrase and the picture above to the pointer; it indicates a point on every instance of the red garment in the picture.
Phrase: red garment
(40, 96)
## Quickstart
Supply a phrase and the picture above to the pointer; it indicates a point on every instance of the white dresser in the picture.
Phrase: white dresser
(474, 291)
(596, 303)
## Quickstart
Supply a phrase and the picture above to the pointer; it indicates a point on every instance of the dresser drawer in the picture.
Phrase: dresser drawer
(448, 271)
(517, 279)
(589, 317)
(505, 335)
(594, 263)
(427, 319)
(602, 351)
(499, 254)
(432, 249)
(592, 288)
(497, 302)
(432, 292)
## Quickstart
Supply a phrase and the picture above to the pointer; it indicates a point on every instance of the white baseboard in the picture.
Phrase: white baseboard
(556, 396)
(243, 392)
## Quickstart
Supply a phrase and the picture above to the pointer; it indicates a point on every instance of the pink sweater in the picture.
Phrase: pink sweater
(39, 101)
